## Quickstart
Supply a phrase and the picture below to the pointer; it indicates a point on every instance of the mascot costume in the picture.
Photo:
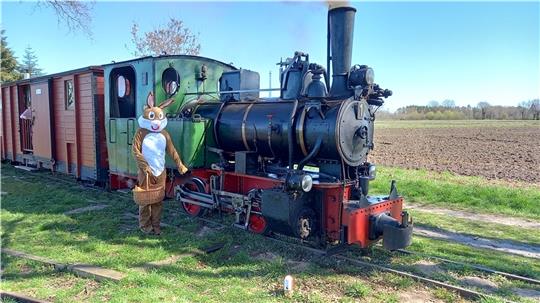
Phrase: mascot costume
(150, 143)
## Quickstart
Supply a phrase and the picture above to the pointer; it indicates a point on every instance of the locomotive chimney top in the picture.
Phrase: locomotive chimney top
(340, 42)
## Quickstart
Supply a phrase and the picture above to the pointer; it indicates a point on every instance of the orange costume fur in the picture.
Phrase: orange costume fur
(150, 143)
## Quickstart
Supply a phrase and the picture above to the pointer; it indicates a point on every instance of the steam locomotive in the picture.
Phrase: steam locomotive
(295, 165)
(266, 145)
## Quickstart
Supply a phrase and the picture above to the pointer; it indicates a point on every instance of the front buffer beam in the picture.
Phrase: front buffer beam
(381, 219)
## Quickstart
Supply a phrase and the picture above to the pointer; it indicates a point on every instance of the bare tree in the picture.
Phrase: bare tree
(535, 109)
(449, 103)
(172, 39)
(523, 107)
(76, 14)
(530, 106)
(483, 105)
(433, 103)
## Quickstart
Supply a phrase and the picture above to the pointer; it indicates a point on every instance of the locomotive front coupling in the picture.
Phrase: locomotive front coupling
(396, 234)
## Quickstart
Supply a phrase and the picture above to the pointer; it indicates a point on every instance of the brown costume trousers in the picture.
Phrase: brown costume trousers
(150, 215)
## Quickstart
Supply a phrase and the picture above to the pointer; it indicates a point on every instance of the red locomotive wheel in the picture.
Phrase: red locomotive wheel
(191, 209)
(194, 210)
(258, 224)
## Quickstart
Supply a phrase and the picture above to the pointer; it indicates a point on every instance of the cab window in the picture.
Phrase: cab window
(170, 81)
(122, 93)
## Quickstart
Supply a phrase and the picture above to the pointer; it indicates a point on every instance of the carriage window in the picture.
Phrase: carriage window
(170, 81)
(122, 93)
(27, 96)
(122, 87)
(69, 94)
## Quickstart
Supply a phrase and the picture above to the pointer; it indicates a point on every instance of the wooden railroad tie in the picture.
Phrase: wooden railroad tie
(81, 270)
(19, 297)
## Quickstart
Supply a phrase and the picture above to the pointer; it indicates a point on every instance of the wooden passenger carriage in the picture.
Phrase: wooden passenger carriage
(56, 122)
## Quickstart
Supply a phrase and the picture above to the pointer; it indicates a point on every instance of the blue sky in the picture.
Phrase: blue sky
(465, 51)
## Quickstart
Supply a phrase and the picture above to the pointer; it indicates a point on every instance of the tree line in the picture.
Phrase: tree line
(447, 110)
(12, 69)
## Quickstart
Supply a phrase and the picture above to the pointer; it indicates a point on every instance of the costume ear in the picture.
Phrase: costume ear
(150, 100)
(166, 103)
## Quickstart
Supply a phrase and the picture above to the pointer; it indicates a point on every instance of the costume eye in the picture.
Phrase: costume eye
(151, 115)
(160, 116)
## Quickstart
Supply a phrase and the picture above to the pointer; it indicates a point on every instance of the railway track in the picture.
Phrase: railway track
(476, 267)
(462, 291)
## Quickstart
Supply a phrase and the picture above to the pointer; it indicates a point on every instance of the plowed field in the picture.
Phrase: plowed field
(509, 153)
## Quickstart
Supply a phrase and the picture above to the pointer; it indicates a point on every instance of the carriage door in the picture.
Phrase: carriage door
(41, 129)
(26, 119)
(122, 120)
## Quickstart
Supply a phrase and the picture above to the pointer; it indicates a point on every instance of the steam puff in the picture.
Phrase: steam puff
(334, 4)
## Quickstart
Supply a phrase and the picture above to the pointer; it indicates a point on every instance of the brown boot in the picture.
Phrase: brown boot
(146, 230)
(145, 219)
(157, 231)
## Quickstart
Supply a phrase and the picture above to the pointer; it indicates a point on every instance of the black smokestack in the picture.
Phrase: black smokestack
(340, 32)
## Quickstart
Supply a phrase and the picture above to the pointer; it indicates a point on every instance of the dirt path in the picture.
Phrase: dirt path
(531, 251)
(491, 218)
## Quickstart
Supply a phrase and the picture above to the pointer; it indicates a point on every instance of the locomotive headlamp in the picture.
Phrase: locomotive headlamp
(299, 181)
(372, 172)
(307, 183)
(370, 76)
(361, 75)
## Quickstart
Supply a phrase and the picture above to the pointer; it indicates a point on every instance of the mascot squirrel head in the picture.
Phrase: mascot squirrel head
(153, 117)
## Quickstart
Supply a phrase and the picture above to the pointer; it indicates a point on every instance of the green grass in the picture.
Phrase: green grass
(387, 297)
(358, 290)
(398, 282)
(476, 228)
(519, 265)
(491, 300)
(460, 192)
(454, 123)
(445, 295)
(40, 281)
